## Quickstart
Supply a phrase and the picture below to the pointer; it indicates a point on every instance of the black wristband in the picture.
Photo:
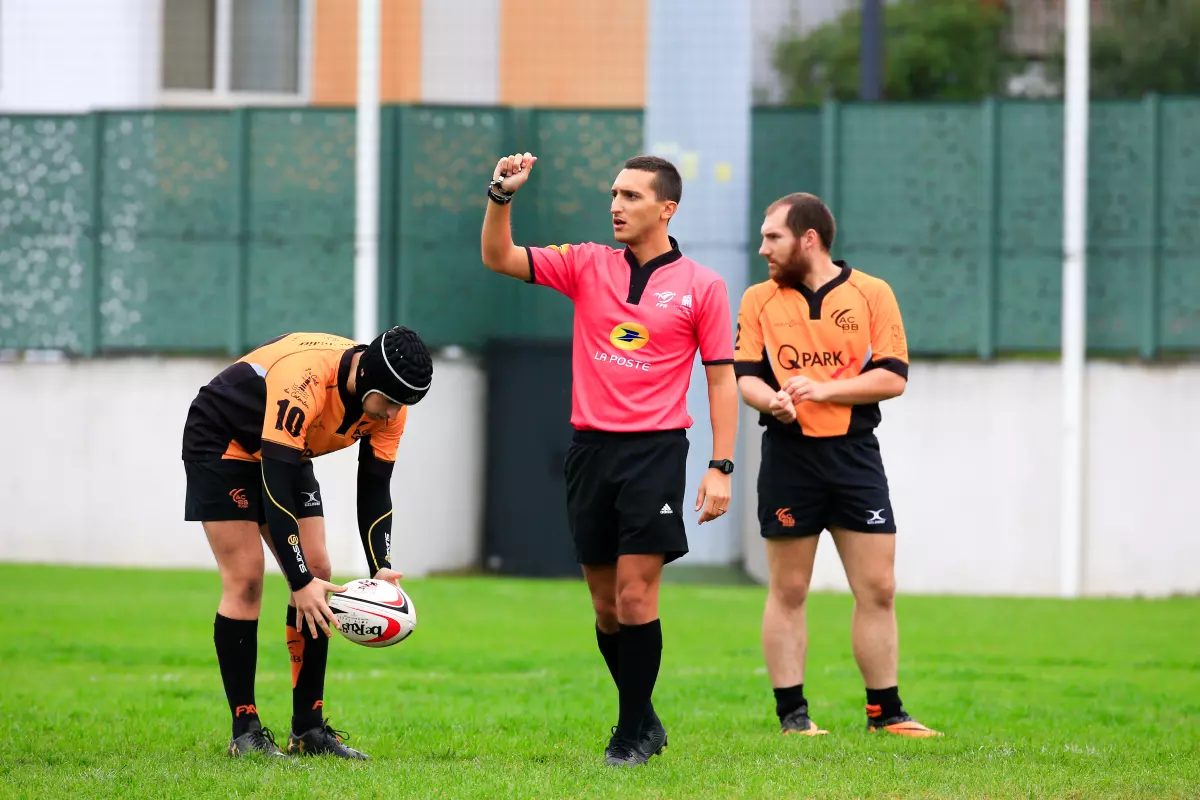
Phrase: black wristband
(497, 193)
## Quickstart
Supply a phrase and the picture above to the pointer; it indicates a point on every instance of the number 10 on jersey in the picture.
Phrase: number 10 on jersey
(290, 421)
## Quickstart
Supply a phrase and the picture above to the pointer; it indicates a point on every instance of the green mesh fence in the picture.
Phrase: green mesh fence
(205, 231)
(786, 145)
(300, 225)
(909, 205)
(46, 217)
(440, 286)
(168, 217)
(1175, 295)
(1027, 285)
(581, 154)
(1121, 228)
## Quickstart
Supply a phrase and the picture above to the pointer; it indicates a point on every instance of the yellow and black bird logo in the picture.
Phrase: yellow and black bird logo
(629, 336)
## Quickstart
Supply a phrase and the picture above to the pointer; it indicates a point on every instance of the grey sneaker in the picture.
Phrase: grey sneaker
(623, 753)
(323, 740)
(654, 736)
(256, 740)
(799, 724)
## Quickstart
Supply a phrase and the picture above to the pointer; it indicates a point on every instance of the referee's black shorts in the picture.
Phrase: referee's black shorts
(807, 485)
(625, 494)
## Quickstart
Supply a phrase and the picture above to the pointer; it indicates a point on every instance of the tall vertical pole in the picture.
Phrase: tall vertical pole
(366, 235)
(698, 97)
(1074, 296)
(223, 48)
(870, 79)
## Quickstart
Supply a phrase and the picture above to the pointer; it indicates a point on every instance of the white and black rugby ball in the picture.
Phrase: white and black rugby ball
(374, 613)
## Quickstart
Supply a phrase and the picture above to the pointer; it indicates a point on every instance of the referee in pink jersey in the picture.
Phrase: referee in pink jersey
(641, 313)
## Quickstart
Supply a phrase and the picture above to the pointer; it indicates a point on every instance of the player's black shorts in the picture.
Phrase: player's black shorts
(232, 490)
(807, 485)
(625, 494)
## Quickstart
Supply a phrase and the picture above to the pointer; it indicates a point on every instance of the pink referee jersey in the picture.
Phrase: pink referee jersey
(637, 330)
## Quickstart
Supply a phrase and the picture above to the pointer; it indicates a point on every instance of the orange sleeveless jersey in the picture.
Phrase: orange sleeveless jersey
(850, 325)
(286, 391)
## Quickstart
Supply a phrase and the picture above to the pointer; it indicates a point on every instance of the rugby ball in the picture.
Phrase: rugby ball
(373, 613)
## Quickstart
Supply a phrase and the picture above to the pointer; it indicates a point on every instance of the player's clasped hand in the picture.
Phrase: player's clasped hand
(311, 608)
(512, 171)
(782, 408)
(801, 389)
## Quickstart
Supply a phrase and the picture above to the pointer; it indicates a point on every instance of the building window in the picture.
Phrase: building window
(235, 50)
(189, 44)
(266, 46)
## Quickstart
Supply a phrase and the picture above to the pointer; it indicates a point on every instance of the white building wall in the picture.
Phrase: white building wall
(973, 463)
(90, 474)
(1143, 446)
(72, 56)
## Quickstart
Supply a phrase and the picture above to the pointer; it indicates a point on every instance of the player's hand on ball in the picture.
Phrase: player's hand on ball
(782, 408)
(512, 171)
(713, 496)
(389, 575)
(311, 608)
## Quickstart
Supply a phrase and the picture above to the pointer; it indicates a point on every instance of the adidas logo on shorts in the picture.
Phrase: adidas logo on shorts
(666, 509)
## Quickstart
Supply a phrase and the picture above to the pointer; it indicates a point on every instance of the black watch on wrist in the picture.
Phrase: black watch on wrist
(725, 465)
(497, 193)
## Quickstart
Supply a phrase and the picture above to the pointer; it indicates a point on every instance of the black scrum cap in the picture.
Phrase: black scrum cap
(397, 365)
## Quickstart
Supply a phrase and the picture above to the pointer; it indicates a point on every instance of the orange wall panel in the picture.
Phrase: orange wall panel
(335, 48)
(573, 53)
(335, 52)
(400, 78)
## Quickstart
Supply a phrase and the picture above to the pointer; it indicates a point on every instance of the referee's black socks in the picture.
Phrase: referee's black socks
(639, 657)
(610, 648)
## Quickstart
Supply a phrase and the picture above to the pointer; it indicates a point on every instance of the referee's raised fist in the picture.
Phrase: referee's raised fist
(512, 171)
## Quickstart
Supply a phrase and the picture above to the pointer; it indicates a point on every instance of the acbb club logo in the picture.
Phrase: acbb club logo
(629, 336)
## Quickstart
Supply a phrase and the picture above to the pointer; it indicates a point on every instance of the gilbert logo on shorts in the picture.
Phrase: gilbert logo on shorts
(239, 496)
(629, 336)
(784, 515)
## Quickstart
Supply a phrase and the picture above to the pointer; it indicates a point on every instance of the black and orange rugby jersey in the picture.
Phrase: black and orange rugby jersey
(288, 392)
(850, 325)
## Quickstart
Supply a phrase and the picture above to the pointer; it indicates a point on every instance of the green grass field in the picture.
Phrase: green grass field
(110, 689)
